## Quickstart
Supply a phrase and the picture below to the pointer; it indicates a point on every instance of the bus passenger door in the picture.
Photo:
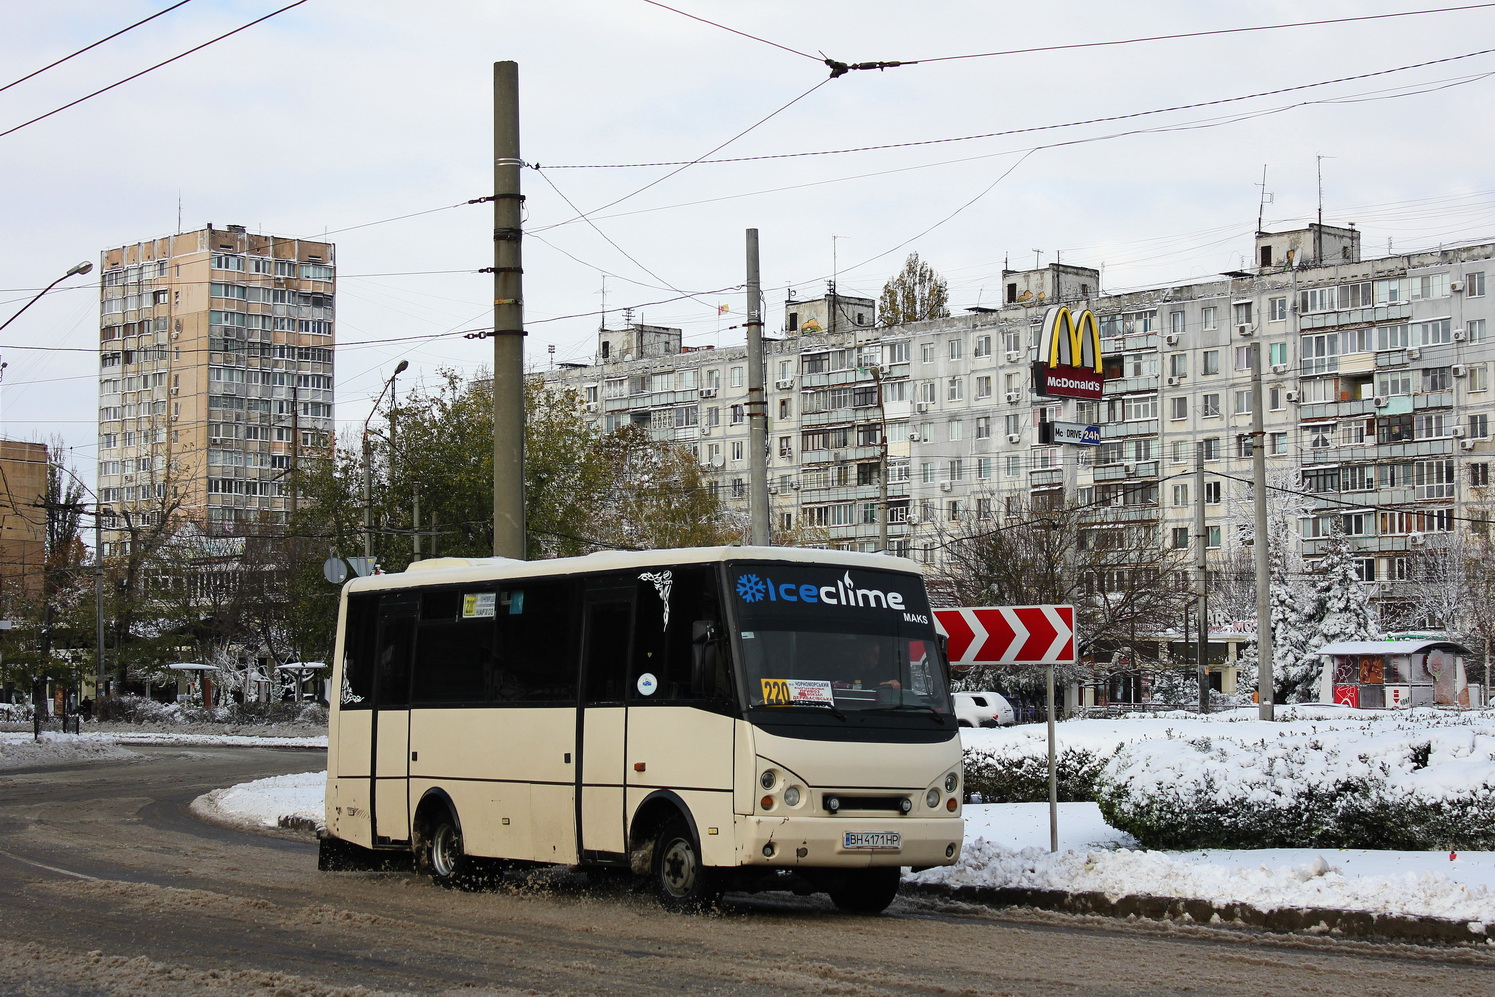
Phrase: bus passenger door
(602, 724)
(390, 738)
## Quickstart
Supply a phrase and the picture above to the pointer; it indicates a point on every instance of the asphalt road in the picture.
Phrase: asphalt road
(109, 886)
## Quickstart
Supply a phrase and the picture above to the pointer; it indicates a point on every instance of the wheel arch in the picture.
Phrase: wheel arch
(434, 798)
(652, 813)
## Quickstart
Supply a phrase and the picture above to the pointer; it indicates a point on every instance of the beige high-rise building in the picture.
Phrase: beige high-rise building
(215, 375)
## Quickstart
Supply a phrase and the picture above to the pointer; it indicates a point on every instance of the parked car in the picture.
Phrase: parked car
(983, 709)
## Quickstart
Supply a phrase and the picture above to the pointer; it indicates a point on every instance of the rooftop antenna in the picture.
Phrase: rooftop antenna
(1266, 198)
(1037, 255)
(1318, 235)
(602, 322)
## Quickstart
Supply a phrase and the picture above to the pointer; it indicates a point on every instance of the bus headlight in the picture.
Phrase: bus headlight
(832, 803)
(932, 798)
(768, 778)
(791, 796)
(951, 781)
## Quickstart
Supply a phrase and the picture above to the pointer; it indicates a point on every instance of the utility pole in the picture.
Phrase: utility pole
(757, 406)
(508, 318)
(1259, 543)
(98, 596)
(1201, 579)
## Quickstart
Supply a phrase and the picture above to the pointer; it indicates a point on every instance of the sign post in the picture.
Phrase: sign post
(1017, 635)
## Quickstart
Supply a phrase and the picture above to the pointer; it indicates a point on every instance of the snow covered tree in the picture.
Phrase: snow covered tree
(915, 292)
(1294, 615)
(1340, 611)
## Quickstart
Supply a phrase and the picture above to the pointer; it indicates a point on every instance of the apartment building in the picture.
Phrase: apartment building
(1377, 404)
(215, 376)
(23, 521)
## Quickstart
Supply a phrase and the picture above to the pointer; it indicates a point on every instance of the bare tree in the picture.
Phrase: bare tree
(916, 292)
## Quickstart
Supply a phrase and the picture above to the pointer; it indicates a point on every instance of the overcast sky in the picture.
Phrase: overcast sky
(337, 116)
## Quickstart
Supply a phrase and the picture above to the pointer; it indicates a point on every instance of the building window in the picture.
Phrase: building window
(955, 389)
(737, 450)
(1178, 365)
(1211, 447)
(926, 352)
(983, 347)
(983, 386)
(1474, 329)
(1243, 402)
(1209, 405)
(1474, 285)
(1241, 312)
(1180, 408)
(1479, 474)
(734, 377)
(1180, 538)
(1180, 495)
(1210, 318)
(957, 429)
(1210, 362)
(957, 348)
(983, 427)
(1278, 444)
(1276, 310)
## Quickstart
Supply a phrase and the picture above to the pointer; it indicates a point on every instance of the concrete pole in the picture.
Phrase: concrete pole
(98, 597)
(1201, 576)
(1259, 544)
(757, 406)
(508, 318)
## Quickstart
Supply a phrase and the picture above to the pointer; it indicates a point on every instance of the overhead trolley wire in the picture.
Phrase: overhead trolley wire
(151, 69)
(55, 64)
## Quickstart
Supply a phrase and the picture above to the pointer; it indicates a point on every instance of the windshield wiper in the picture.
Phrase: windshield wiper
(829, 706)
(939, 717)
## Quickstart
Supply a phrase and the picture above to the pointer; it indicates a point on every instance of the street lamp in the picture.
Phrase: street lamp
(368, 469)
(83, 267)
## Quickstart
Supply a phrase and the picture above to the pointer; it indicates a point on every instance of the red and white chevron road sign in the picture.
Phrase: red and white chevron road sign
(1009, 635)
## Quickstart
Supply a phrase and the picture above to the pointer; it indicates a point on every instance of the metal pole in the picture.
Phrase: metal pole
(368, 495)
(757, 406)
(1053, 764)
(1263, 555)
(1201, 567)
(508, 318)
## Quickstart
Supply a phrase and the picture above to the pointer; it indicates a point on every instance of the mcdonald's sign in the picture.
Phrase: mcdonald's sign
(1069, 364)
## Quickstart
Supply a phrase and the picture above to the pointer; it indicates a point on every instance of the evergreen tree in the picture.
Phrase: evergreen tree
(1294, 613)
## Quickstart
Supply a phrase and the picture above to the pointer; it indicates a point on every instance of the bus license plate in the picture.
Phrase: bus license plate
(873, 839)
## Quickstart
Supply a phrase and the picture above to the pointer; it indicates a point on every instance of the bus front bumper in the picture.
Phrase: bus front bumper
(849, 842)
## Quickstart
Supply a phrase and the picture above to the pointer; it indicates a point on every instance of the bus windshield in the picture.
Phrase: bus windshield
(815, 637)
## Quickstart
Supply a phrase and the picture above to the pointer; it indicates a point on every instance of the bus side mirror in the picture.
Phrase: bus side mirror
(944, 646)
(703, 652)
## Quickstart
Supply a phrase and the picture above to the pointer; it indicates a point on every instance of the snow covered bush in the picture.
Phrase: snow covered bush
(1432, 788)
(1012, 773)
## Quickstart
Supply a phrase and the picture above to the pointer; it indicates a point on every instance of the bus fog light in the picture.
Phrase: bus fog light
(932, 798)
(950, 851)
(951, 781)
(905, 805)
(791, 796)
(769, 850)
(768, 778)
(833, 803)
(951, 804)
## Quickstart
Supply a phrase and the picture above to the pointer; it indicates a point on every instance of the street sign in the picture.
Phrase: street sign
(1009, 635)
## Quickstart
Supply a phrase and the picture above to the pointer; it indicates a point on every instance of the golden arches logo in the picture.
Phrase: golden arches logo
(1072, 340)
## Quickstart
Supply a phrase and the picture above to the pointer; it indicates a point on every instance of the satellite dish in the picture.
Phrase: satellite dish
(718, 461)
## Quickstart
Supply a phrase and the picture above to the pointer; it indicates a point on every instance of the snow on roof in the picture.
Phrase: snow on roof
(1388, 646)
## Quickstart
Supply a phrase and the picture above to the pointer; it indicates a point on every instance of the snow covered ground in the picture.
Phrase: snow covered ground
(1007, 845)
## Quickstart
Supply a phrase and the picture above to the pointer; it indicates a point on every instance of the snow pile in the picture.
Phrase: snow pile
(21, 751)
(1421, 782)
(264, 802)
(1007, 846)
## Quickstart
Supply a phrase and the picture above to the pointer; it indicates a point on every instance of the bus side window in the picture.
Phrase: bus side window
(453, 651)
(537, 642)
(664, 646)
(358, 652)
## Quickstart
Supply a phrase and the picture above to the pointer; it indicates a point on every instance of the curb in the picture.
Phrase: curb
(1365, 925)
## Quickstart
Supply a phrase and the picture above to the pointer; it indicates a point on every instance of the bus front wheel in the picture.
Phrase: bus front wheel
(682, 882)
(866, 891)
(442, 855)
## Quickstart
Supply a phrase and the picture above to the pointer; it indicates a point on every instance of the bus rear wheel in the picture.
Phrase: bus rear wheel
(866, 891)
(682, 882)
(442, 855)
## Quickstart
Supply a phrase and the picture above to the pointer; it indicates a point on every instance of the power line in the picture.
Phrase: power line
(734, 31)
(54, 65)
(1029, 130)
(136, 76)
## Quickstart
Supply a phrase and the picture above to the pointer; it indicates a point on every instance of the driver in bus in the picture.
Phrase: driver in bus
(866, 670)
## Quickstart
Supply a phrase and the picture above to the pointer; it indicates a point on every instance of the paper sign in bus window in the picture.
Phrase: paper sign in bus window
(789, 692)
(478, 605)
